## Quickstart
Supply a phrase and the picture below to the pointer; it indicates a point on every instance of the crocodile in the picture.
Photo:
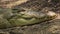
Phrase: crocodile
(15, 17)
(23, 16)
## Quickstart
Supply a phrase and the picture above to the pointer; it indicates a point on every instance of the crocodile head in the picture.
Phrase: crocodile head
(19, 17)
(28, 16)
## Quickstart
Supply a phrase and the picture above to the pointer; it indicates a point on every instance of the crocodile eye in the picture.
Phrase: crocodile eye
(27, 18)
(14, 9)
(22, 10)
(18, 10)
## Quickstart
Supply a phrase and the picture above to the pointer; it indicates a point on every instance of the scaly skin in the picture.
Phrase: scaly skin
(19, 17)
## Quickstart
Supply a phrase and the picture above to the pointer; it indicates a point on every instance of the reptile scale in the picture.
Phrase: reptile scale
(23, 16)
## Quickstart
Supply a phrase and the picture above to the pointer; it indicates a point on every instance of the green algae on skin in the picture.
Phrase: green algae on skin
(25, 17)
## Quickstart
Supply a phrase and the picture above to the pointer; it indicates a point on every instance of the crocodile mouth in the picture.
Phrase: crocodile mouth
(29, 20)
